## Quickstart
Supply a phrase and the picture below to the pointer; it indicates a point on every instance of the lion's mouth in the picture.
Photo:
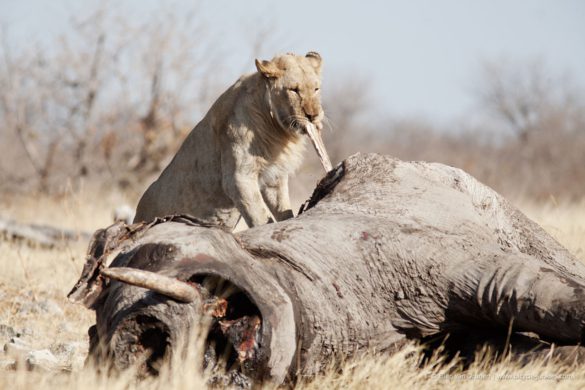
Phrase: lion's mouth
(313, 131)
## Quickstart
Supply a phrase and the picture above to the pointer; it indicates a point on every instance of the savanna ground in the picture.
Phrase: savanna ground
(34, 283)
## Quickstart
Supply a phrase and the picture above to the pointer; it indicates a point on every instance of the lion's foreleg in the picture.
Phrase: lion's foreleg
(277, 199)
(240, 183)
(245, 193)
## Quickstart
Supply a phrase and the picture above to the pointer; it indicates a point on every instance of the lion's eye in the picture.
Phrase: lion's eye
(295, 90)
(317, 89)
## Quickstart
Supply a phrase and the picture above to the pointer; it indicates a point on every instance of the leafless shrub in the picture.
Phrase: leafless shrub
(530, 143)
(113, 97)
(347, 105)
(545, 154)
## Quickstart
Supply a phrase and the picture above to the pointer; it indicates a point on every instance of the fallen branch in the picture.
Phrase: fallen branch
(39, 235)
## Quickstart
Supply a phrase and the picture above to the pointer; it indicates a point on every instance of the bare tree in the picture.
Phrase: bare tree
(545, 113)
(347, 104)
(111, 79)
(23, 107)
(526, 96)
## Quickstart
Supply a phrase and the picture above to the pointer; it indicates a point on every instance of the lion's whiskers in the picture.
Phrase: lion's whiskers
(328, 122)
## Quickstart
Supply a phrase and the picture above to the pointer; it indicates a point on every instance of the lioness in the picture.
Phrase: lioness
(237, 160)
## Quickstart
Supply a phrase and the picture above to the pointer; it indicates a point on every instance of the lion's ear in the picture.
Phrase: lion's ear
(268, 69)
(315, 59)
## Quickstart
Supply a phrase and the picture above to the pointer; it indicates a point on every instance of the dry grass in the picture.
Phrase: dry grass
(565, 222)
(37, 275)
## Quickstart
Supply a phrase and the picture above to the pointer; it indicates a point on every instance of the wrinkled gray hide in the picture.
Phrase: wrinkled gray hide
(384, 250)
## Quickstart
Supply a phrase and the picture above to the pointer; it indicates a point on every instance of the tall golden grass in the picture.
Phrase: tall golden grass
(35, 274)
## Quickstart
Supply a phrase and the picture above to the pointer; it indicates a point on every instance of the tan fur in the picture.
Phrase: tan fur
(239, 157)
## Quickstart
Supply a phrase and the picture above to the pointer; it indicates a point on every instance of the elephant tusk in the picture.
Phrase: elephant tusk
(161, 284)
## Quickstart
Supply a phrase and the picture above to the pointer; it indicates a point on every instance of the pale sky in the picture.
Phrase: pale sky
(421, 57)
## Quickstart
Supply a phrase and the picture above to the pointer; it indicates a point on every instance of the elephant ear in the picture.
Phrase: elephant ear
(269, 69)
(314, 59)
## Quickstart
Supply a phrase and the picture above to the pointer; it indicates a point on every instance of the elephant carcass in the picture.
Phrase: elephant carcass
(384, 250)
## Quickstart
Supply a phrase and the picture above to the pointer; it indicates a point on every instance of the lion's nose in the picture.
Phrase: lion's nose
(311, 113)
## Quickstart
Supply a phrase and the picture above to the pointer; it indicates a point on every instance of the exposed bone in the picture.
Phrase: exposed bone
(315, 136)
(161, 284)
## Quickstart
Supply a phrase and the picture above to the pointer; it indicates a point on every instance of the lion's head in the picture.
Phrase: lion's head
(294, 84)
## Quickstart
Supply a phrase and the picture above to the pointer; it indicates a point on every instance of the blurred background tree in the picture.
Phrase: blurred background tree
(110, 103)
